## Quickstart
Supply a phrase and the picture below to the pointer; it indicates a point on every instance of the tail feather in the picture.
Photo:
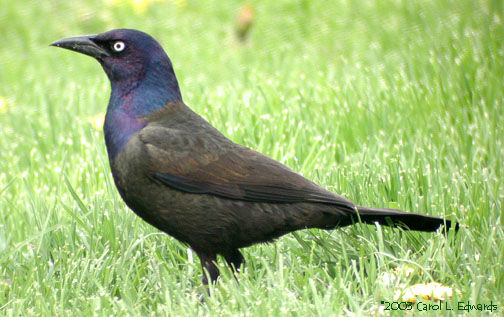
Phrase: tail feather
(411, 221)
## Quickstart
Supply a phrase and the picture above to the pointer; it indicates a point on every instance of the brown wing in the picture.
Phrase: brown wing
(211, 164)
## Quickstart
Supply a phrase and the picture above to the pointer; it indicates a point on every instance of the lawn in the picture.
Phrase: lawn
(390, 103)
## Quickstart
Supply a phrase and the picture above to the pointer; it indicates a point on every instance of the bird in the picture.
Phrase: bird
(184, 177)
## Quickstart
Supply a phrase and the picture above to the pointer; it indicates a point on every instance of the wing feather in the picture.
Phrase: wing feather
(214, 165)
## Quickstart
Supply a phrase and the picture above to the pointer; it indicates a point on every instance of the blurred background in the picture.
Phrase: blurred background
(349, 58)
(391, 103)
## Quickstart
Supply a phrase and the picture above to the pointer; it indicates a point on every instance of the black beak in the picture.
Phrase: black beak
(82, 44)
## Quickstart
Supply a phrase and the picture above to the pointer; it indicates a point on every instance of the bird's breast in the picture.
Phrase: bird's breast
(119, 127)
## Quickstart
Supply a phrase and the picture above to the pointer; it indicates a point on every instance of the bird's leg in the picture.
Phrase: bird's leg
(209, 268)
(234, 259)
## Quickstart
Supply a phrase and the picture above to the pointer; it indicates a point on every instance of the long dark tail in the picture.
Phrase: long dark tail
(399, 218)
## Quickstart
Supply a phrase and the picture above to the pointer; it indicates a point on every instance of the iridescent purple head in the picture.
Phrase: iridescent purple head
(141, 77)
(128, 57)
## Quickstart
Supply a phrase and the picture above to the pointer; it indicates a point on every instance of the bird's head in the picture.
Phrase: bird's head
(127, 56)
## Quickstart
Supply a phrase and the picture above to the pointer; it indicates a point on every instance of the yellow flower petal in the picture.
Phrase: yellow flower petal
(431, 291)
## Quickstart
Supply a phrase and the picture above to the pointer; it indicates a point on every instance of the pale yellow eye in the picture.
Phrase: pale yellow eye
(119, 46)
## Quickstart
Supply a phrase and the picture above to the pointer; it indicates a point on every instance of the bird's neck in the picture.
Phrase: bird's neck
(132, 101)
(148, 91)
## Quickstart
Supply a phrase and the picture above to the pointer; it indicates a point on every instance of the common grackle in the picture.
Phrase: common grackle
(184, 177)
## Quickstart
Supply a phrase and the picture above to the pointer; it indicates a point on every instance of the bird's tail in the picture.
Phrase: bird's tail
(411, 221)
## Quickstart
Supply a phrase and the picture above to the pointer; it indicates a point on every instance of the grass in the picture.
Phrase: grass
(390, 103)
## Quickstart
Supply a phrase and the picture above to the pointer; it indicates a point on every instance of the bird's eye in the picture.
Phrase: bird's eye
(119, 46)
